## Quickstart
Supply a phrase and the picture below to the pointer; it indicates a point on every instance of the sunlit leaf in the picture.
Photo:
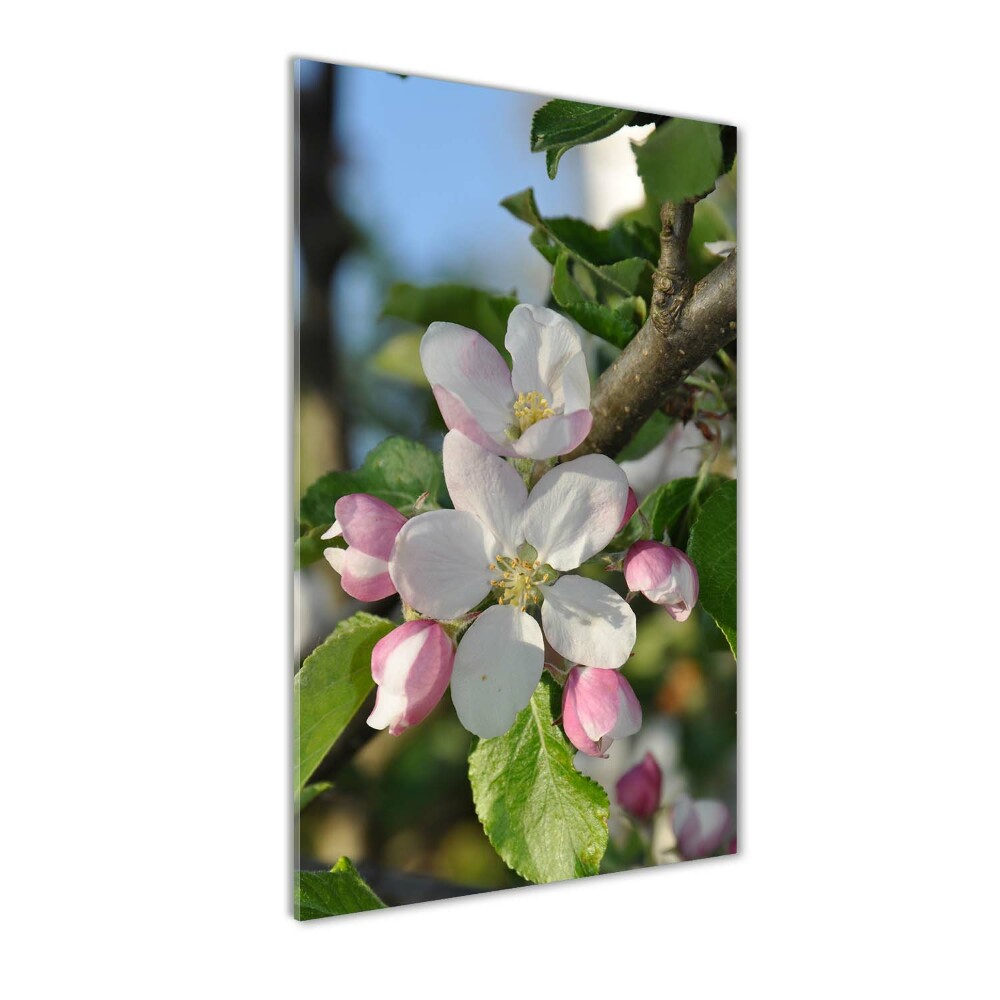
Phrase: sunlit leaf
(332, 685)
(680, 160)
(560, 125)
(545, 819)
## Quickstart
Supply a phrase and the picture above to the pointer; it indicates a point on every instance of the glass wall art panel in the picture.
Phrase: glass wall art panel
(515, 580)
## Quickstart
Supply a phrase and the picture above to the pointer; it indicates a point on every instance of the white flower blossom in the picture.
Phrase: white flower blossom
(539, 410)
(501, 541)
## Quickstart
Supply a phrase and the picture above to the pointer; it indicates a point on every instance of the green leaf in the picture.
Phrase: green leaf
(616, 325)
(670, 510)
(330, 894)
(602, 278)
(561, 125)
(404, 470)
(713, 551)
(634, 274)
(625, 239)
(680, 160)
(332, 685)
(674, 506)
(310, 792)
(484, 312)
(399, 358)
(646, 439)
(397, 471)
(545, 819)
(565, 290)
(602, 251)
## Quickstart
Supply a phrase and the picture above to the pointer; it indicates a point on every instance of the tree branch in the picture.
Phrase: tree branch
(686, 326)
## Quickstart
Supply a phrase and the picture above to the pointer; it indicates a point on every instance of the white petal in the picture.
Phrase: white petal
(440, 562)
(458, 417)
(497, 668)
(720, 248)
(587, 622)
(485, 485)
(575, 510)
(548, 357)
(389, 706)
(471, 368)
(334, 531)
(553, 436)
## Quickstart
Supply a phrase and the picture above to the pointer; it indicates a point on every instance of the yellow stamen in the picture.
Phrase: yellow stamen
(529, 408)
(518, 581)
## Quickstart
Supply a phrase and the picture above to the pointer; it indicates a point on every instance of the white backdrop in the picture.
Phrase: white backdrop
(145, 227)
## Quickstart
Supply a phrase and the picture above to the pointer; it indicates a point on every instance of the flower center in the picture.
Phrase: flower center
(529, 408)
(518, 580)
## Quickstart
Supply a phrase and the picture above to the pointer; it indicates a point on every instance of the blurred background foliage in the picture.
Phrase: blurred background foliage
(399, 187)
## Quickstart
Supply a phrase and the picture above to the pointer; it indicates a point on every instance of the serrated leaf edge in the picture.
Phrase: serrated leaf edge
(603, 815)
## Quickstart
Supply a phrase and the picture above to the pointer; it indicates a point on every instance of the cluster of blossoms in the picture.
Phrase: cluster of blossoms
(488, 588)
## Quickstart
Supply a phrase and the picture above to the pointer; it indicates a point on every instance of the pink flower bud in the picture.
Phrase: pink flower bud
(598, 708)
(369, 527)
(631, 506)
(663, 574)
(412, 667)
(699, 826)
(638, 789)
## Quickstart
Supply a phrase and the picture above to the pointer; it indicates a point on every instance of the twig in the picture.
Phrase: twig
(686, 326)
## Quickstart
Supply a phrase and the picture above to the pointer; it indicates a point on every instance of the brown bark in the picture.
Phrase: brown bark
(686, 326)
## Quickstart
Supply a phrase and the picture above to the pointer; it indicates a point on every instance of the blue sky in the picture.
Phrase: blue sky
(429, 161)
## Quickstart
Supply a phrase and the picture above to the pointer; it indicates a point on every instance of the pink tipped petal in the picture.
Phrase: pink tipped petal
(334, 531)
(368, 524)
(412, 666)
(598, 706)
(548, 357)
(638, 790)
(587, 622)
(471, 368)
(596, 700)
(687, 588)
(554, 436)
(665, 575)
(497, 668)
(575, 510)
(646, 565)
(362, 576)
(457, 416)
(440, 562)
(631, 506)
(572, 720)
(699, 825)
(629, 710)
(488, 487)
